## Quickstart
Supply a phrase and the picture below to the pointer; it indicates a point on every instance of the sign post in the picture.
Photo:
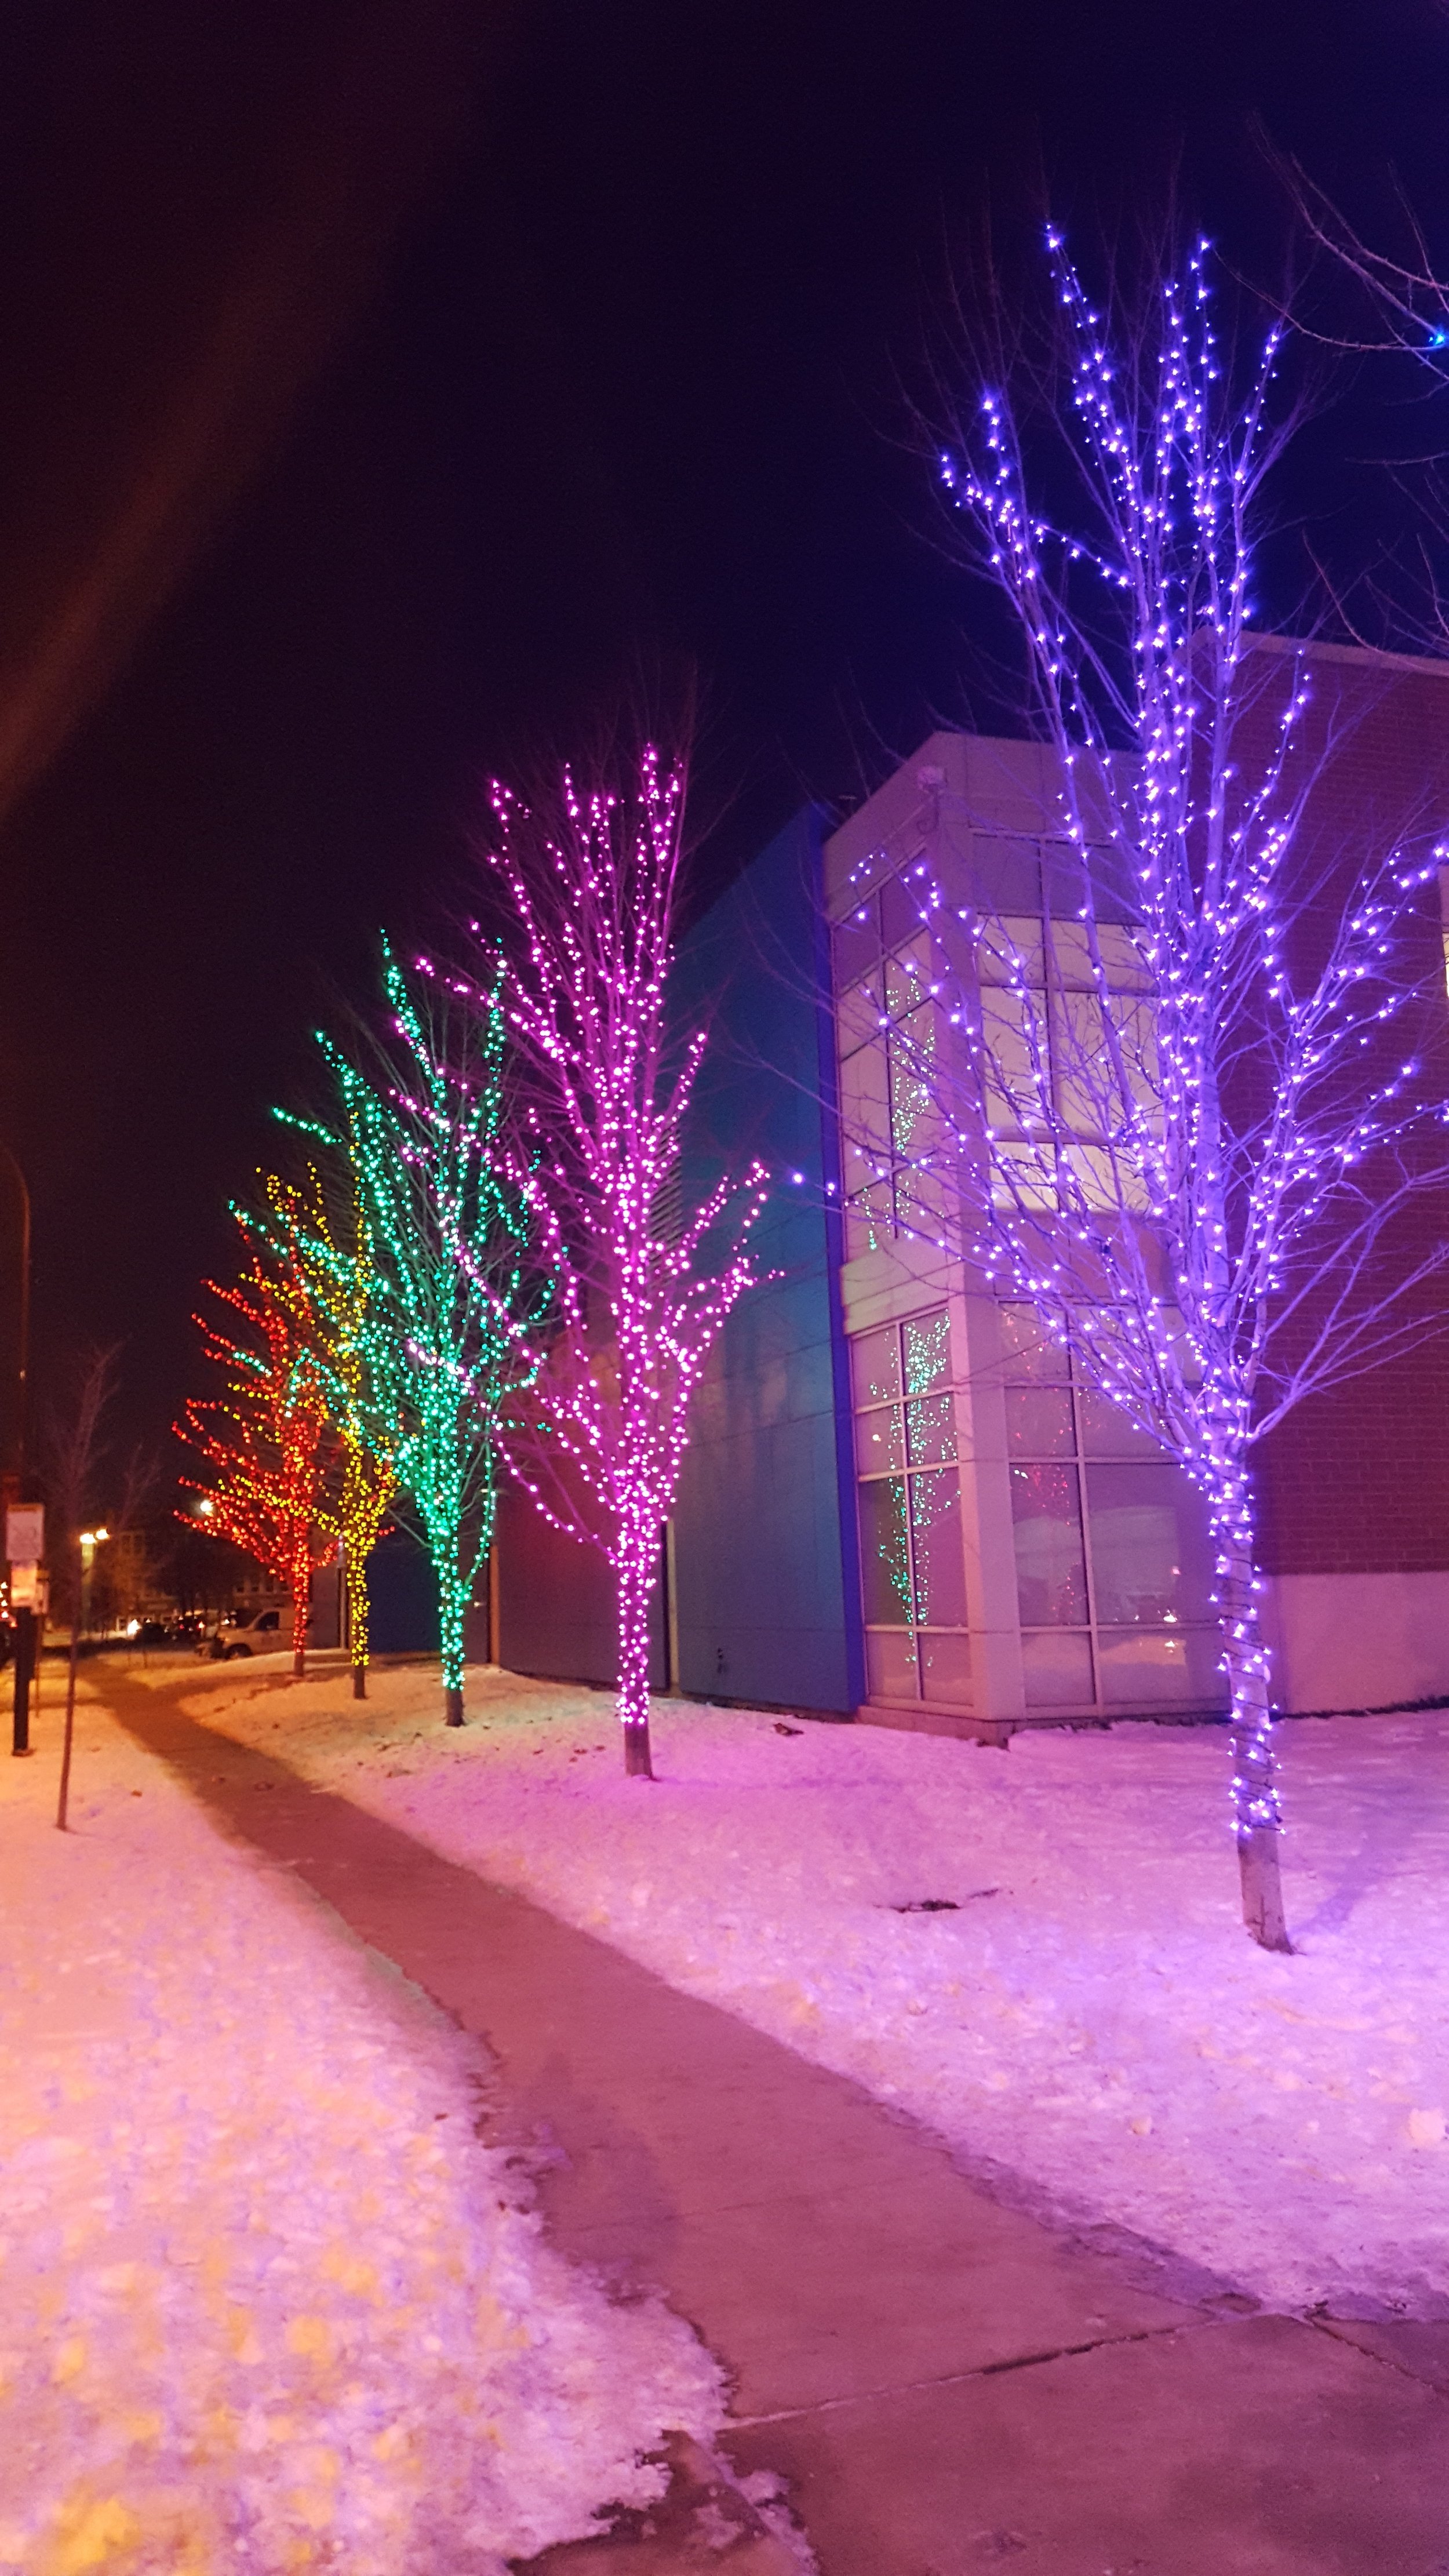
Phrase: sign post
(24, 1548)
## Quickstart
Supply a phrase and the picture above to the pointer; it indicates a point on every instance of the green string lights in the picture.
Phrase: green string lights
(445, 1298)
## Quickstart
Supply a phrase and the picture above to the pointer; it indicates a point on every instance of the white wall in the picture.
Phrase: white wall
(1357, 1640)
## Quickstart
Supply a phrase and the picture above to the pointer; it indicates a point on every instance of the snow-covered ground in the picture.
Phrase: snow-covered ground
(265, 2300)
(1091, 2026)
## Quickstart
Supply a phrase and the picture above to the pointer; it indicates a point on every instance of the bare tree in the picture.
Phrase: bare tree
(1183, 1112)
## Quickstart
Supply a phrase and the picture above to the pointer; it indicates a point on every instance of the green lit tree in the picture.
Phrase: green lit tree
(440, 1336)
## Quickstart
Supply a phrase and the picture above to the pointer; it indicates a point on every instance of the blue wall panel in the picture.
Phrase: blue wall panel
(766, 1595)
(556, 1602)
(402, 1597)
(767, 1604)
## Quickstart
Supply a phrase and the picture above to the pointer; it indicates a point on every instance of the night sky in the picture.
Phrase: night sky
(386, 389)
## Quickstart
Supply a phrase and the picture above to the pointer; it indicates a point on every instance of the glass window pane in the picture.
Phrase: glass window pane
(1025, 1177)
(880, 1445)
(1083, 1072)
(864, 1113)
(1057, 1669)
(1108, 1432)
(858, 1014)
(936, 1537)
(867, 1228)
(1009, 950)
(908, 978)
(946, 1669)
(884, 1557)
(1039, 1422)
(928, 1352)
(931, 1431)
(1051, 1573)
(902, 902)
(1071, 956)
(1122, 955)
(1175, 1666)
(1152, 1558)
(1099, 1176)
(925, 1199)
(875, 1366)
(857, 943)
(1015, 1061)
(1006, 868)
(1028, 1349)
(890, 1665)
(914, 1124)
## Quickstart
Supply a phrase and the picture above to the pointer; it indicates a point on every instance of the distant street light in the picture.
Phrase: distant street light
(90, 1540)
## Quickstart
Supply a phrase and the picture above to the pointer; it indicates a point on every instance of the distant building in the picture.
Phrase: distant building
(897, 1503)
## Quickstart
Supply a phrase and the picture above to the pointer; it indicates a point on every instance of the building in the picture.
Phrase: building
(898, 1501)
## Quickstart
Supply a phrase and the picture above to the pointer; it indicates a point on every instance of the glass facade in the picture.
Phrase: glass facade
(1108, 1541)
(1114, 1561)
(913, 1572)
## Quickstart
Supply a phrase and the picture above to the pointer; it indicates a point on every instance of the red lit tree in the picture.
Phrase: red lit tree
(263, 1442)
(644, 1282)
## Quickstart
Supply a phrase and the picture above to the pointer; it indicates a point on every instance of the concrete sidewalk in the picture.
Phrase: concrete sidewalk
(946, 2385)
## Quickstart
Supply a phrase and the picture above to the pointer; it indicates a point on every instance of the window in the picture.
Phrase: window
(1015, 970)
(890, 1031)
(1113, 1555)
(912, 1561)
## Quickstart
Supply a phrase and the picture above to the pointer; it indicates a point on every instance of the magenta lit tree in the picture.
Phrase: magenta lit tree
(644, 1281)
(1180, 1113)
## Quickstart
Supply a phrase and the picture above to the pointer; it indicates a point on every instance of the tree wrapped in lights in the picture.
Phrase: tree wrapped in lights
(1183, 1117)
(439, 1313)
(592, 888)
(341, 1280)
(264, 1441)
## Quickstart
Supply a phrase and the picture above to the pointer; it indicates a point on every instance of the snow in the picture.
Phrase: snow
(1092, 2030)
(266, 2302)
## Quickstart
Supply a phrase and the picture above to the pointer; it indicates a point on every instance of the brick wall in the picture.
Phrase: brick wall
(1356, 1480)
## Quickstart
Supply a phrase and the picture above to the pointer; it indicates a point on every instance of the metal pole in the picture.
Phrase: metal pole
(25, 1633)
(22, 1374)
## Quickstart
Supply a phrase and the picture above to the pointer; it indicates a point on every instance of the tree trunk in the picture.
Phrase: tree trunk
(1257, 1817)
(354, 1576)
(637, 1566)
(301, 1603)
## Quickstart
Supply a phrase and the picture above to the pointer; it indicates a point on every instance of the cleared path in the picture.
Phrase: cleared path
(947, 2385)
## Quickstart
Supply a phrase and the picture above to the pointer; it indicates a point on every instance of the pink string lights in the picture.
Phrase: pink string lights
(600, 1443)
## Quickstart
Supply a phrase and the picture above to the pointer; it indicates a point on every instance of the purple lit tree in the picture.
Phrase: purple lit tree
(1182, 1115)
(643, 1283)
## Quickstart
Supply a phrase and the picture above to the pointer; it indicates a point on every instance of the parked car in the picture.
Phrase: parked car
(260, 1632)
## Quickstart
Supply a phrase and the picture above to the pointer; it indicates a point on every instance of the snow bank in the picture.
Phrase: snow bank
(1091, 2027)
(265, 2301)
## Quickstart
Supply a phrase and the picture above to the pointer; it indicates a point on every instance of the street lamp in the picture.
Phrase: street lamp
(90, 1540)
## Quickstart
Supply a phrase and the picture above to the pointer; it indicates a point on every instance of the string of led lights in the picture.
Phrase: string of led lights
(441, 1329)
(599, 1169)
(342, 1285)
(1182, 1140)
(269, 1484)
